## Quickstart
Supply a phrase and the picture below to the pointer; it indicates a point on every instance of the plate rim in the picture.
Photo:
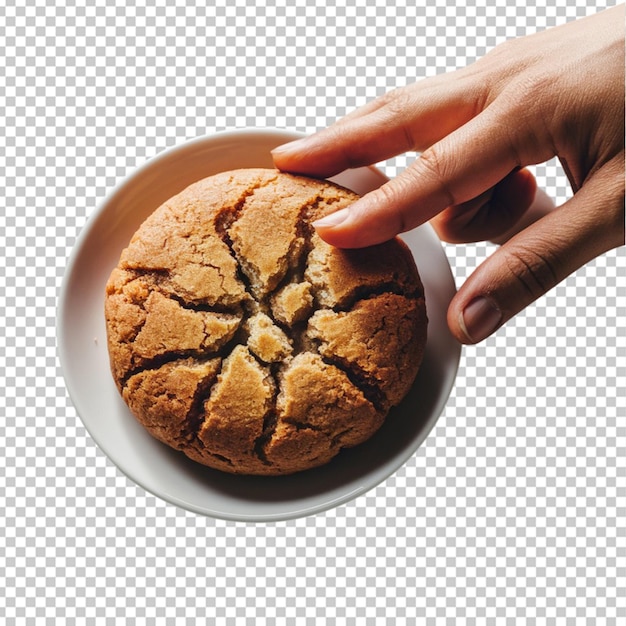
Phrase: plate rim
(205, 509)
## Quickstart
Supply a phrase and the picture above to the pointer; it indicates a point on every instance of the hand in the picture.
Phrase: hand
(556, 93)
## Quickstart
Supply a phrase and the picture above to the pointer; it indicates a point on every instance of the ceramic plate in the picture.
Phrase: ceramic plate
(169, 474)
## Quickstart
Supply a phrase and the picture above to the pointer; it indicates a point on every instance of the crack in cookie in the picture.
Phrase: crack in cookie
(239, 337)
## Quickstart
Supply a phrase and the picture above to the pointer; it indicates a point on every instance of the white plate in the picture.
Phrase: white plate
(169, 474)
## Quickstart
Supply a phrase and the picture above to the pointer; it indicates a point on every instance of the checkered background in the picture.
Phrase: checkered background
(509, 511)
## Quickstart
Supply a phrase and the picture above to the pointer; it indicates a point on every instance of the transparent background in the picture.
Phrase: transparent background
(507, 513)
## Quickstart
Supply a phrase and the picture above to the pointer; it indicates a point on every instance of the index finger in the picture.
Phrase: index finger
(405, 119)
(459, 167)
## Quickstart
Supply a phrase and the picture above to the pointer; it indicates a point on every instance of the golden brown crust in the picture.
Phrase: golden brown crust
(238, 336)
(377, 338)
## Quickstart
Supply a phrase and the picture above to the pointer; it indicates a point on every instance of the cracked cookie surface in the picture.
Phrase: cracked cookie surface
(239, 337)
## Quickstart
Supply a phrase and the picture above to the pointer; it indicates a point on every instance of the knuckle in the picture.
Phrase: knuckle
(398, 106)
(397, 100)
(393, 201)
(390, 196)
(535, 271)
(432, 164)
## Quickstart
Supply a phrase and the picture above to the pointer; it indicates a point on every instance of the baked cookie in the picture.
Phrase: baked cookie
(239, 337)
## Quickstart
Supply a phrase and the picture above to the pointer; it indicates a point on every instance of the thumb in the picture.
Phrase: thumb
(539, 257)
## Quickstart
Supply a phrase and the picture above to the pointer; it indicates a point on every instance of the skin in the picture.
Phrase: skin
(558, 93)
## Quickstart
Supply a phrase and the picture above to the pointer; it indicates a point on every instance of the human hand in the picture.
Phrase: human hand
(556, 93)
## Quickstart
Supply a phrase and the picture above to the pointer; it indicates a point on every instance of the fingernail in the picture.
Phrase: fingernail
(334, 219)
(292, 146)
(479, 319)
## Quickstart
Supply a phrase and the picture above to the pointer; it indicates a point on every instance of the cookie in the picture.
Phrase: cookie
(239, 337)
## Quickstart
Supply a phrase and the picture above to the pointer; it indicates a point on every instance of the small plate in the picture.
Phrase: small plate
(169, 474)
